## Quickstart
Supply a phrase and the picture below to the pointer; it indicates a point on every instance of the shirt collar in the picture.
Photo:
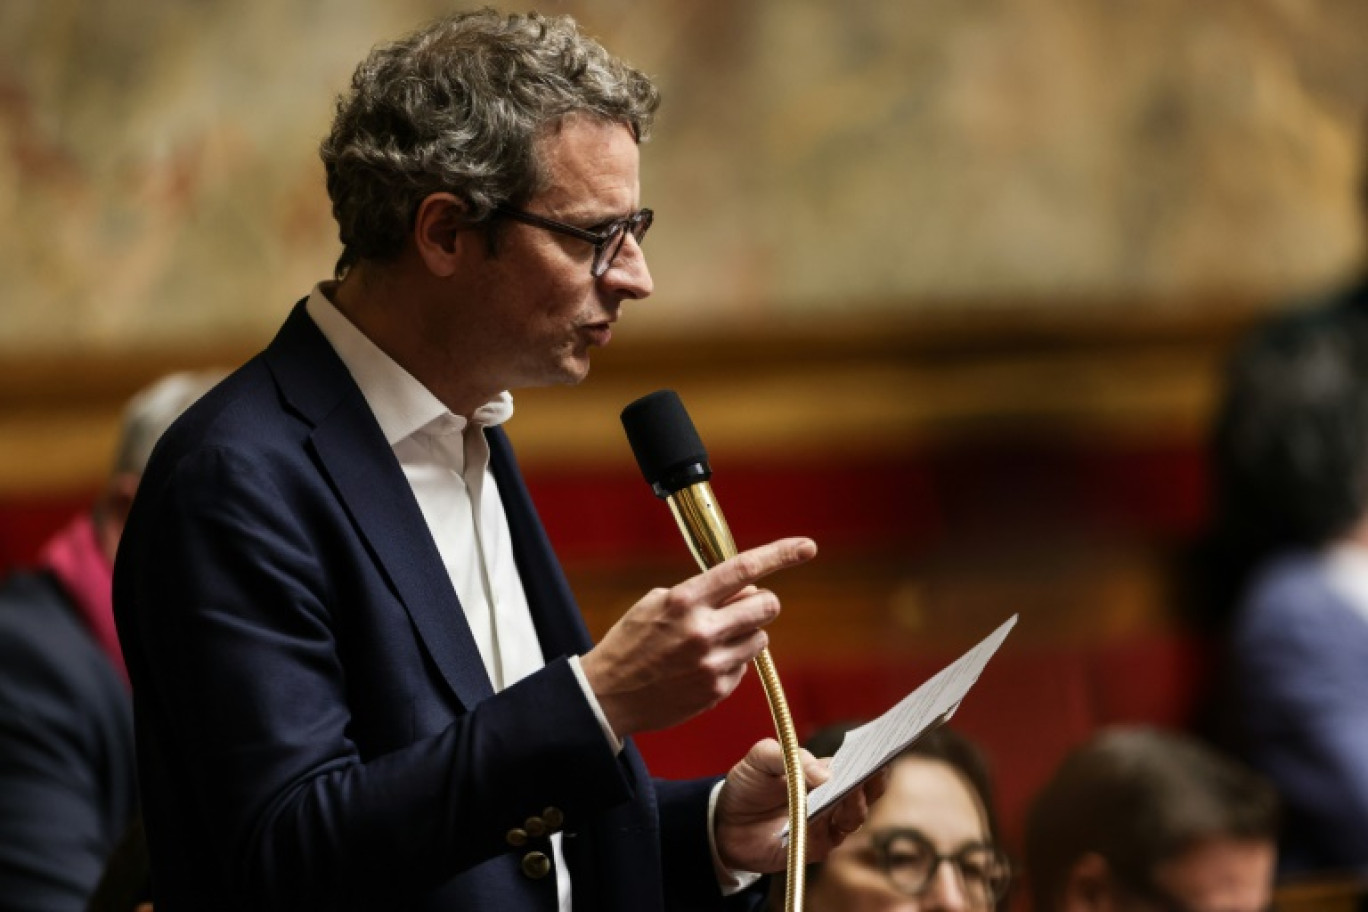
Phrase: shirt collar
(402, 405)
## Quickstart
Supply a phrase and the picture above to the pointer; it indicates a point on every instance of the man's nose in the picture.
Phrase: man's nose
(628, 275)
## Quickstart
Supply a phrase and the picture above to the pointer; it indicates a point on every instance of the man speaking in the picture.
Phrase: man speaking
(360, 678)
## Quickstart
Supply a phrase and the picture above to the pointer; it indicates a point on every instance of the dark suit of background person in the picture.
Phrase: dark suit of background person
(316, 725)
(68, 785)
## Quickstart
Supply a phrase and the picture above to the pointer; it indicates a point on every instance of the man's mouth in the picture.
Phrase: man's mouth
(599, 333)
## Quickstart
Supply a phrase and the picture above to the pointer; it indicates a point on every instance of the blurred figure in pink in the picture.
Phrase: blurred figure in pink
(67, 777)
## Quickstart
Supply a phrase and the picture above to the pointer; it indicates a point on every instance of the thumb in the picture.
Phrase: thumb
(815, 771)
(765, 758)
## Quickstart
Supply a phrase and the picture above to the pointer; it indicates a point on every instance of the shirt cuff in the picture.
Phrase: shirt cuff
(613, 740)
(731, 882)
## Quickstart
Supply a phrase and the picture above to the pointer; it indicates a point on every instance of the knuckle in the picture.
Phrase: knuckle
(722, 687)
(698, 636)
(748, 565)
(677, 599)
(760, 609)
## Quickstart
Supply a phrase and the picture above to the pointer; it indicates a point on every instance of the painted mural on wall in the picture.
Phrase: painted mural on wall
(159, 182)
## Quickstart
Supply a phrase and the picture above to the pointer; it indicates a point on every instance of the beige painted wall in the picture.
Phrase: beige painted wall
(814, 161)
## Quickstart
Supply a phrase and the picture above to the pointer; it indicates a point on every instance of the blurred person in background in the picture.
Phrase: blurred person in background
(1286, 446)
(1291, 475)
(931, 840)
(67, 777)
(1139, 818)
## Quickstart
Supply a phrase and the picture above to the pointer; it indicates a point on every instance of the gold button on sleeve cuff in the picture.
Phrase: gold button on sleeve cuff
(517, 837)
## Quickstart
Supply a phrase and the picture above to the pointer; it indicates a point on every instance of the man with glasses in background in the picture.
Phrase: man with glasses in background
(360, 677)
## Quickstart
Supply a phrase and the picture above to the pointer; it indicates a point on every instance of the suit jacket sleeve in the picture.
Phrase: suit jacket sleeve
(686, 850)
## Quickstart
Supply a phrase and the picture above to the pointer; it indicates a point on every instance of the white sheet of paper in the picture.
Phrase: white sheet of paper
(870, 747)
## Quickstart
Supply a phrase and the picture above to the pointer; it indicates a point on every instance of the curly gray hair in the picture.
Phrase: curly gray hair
(458, 106)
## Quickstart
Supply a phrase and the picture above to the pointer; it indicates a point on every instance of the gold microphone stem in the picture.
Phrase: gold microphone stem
(797, 786)
(701, 522)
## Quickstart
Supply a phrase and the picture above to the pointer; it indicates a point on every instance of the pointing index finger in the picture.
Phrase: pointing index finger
(720, 583)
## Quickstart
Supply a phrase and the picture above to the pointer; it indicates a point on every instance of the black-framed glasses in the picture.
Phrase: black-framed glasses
(607, 242)
(911, 861)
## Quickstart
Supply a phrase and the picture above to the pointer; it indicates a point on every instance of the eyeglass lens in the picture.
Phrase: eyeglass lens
(912, 861)
(607, 252)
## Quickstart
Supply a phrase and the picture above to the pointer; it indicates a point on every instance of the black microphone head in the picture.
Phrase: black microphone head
(666, 446)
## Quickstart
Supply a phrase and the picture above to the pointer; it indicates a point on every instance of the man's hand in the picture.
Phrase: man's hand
(680, 651)
(753, 808)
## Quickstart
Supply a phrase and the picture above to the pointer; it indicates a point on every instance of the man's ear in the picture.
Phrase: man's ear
(1089, 886)
(440, 233)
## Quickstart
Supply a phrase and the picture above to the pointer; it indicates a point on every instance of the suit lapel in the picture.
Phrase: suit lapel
(353, 453)
(560, 628)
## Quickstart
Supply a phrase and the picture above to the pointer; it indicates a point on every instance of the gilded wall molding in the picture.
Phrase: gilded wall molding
(788, 389)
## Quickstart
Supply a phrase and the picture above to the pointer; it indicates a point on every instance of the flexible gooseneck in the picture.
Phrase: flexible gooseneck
(672, 458)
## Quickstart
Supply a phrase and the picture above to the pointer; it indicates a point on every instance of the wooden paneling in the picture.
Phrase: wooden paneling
(803, 389)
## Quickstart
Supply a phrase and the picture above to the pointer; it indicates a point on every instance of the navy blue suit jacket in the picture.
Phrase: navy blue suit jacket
(315, 727)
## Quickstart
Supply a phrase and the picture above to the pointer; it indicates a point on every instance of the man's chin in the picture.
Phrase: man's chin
(573, 371)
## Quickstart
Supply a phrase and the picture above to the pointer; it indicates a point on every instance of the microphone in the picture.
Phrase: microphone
(672, 458)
